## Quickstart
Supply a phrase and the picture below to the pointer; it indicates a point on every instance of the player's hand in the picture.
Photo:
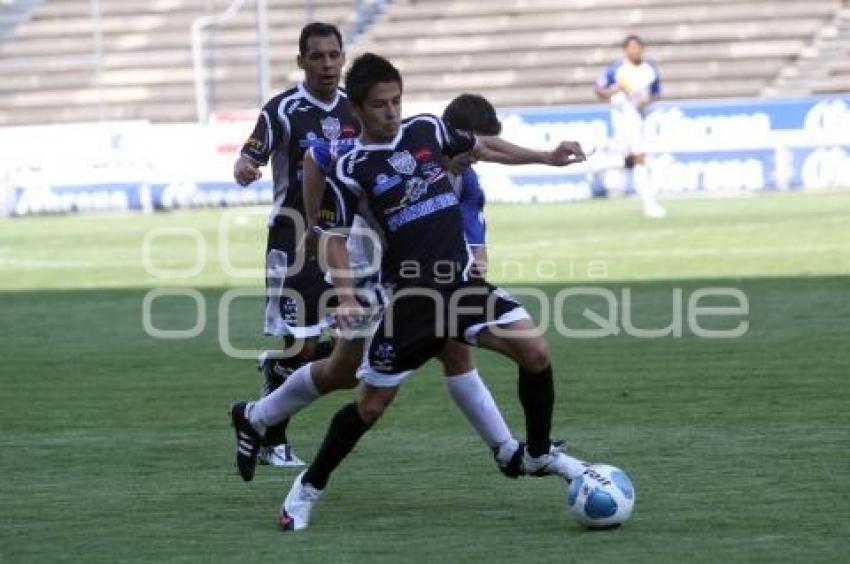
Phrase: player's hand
(350, 315)
(460, 163)
(641, 101)
(246, 171)
(567, 153)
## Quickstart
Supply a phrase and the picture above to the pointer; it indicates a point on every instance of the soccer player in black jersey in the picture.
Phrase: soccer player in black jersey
(315, 116)
(396, 172)
(313, 113)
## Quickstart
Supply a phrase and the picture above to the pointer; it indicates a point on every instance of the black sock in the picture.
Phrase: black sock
(345, 430)
(276, 434)
(537, 395)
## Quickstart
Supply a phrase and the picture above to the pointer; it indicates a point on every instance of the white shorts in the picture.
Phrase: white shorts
(628, 126)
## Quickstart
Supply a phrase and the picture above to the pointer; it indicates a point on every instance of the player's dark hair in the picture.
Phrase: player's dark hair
(471, 112)
(632, 37)
(366, 71)
(317, 29)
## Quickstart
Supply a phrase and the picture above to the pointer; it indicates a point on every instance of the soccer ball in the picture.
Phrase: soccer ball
(603, 497)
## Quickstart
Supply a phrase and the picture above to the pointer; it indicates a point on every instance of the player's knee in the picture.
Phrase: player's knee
(456, 359)
(371, 409)
(534, 356)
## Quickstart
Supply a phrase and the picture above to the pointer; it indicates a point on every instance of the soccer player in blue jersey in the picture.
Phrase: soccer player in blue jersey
(631, 84)
(473, 113)
(395, 173)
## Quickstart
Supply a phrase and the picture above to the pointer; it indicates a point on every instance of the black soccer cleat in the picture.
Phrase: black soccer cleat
(247, 441)
(514, 468)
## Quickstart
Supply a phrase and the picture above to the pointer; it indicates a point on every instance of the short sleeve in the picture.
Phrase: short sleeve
(608, 77)
(455, 141)
(266, 136)
(655, 87)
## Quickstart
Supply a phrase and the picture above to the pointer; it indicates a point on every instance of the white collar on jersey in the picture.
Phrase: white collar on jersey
(315, 101)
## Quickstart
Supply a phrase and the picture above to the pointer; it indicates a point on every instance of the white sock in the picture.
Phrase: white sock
(477, 404)
(643, 186)
(297, 392)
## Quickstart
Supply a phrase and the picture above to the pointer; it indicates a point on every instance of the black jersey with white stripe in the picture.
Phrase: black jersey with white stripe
(409, 195)
(288, 125)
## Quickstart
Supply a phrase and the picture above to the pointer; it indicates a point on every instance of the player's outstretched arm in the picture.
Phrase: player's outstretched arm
(497, 150)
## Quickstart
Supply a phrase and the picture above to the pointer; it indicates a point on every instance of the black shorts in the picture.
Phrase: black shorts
(296, 288)
(418, 321)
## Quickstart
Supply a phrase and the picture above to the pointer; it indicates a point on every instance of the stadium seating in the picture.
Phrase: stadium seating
(50, 71)
(550, 51)
(518, 52)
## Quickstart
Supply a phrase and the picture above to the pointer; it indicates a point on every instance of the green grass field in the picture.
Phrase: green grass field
(116, 447)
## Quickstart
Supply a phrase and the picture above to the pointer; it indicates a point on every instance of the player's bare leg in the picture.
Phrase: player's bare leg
(536, 390)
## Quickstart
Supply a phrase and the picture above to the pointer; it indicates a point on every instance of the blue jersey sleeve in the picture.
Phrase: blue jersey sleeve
(472, 208)
(609, 76)
(655, 87)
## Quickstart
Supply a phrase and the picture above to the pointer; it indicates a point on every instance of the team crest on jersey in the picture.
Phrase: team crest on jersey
(331, 128)
(403, 162)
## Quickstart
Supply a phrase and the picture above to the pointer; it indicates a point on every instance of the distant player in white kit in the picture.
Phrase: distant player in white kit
(631, 84)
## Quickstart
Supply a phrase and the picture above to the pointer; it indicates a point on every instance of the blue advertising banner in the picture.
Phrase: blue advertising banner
(711, 147)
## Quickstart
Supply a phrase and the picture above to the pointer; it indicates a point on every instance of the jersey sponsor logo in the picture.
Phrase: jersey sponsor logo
(383, 357)
(432, 171)
(421, 209)
(328, 216)
(384, 183)
(331, 128)
(403, 162)
(313, 140)
(414, 189)
(297, 106)
(424, 154)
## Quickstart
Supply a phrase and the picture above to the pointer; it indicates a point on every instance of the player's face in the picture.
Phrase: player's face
(381, 112)
(322, 64)
(634, 52)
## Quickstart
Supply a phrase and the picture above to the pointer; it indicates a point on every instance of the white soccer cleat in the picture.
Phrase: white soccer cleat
(299, 502)
(654, 211)
(555, 462)
(280, 456)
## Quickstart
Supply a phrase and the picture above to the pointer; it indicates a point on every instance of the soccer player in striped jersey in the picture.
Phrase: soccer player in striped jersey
(396, 173)
(463, 381)
(313, 113)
